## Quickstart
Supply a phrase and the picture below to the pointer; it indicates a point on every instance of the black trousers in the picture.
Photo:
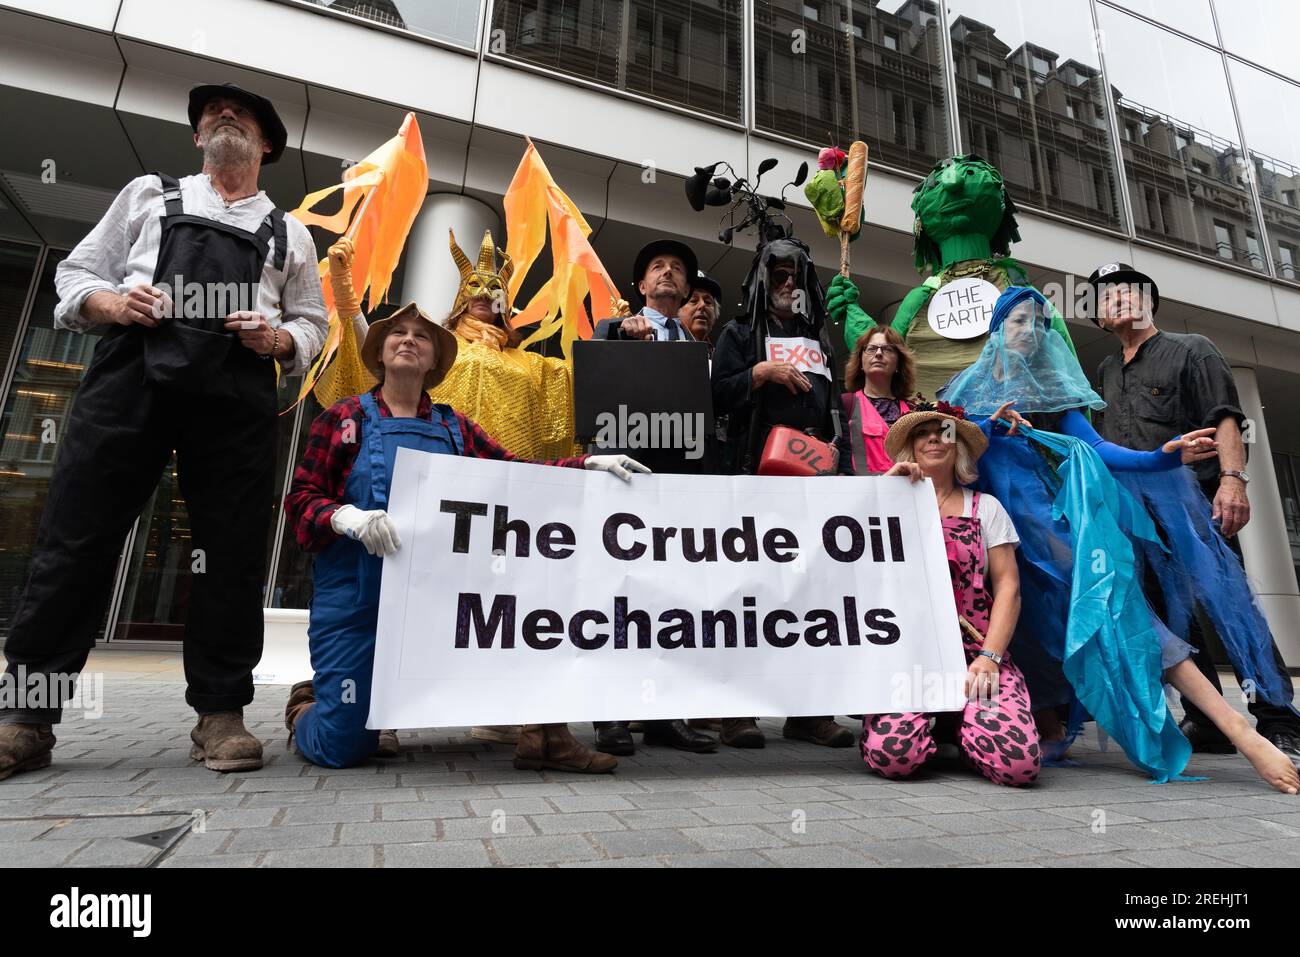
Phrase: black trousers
(1269, 718)
(119, 437)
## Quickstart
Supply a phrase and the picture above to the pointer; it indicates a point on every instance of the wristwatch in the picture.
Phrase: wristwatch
(992, 656)
(1245, 478)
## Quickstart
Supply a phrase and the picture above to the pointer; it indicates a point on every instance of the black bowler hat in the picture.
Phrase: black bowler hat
(663, 247)
(269, 120)
(1119, 272)
(702, 280)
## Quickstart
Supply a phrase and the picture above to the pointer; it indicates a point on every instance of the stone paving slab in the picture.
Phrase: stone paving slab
(450, 801)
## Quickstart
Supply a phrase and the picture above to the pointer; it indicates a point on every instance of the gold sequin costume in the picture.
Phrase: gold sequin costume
(521, 399)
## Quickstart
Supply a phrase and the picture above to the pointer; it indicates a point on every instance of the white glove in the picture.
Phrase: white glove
(372, 528)
(620, 465)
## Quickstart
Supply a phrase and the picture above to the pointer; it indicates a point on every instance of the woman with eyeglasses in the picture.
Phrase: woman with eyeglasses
(879, 377)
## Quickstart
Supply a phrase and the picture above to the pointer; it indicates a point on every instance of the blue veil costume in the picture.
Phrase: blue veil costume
(1086, 541)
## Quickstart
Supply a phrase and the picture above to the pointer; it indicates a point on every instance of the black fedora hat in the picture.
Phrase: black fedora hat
(661, 247)
(702, 280)
(1119, 273)
(269, 120)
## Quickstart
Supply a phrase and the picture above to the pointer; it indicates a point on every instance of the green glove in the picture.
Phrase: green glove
(842, 304)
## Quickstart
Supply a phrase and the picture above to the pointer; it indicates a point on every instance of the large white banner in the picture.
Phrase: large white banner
(527, 593)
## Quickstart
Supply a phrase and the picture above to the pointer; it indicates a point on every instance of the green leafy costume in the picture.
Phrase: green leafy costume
(965, 225)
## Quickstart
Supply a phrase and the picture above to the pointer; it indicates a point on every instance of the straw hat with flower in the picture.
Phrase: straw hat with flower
(900, 433)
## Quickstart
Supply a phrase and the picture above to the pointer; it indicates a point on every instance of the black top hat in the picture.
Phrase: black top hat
(661, 247)
(702, 280)
(1119, 272)
(272, 128)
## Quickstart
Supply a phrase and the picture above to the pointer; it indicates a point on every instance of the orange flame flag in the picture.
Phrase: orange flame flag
(389, 185)
(532, 202)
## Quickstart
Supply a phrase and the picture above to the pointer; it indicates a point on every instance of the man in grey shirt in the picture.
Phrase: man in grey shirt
(200, 286)
(1163, 383)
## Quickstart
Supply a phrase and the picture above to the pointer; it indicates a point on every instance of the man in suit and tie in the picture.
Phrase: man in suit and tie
(662, 274)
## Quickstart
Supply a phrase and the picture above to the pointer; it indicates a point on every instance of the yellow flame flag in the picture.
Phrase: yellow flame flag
(533, 202)
(389, 185)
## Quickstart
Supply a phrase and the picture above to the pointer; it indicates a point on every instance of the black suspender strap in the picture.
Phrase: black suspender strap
(273, 228)
(171, 190)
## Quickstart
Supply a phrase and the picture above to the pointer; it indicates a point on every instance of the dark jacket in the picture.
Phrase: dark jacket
(817, 410)
(610, 329)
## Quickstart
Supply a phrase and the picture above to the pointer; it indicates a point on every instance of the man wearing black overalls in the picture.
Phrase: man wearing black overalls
(203, 286)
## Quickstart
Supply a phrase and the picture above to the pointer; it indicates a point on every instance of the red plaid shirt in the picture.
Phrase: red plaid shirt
(320, 479)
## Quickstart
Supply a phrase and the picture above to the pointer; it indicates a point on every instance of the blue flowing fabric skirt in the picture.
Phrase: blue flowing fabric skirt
(1086, 635)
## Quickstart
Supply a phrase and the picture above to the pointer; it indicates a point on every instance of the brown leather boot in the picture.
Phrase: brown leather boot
(223, 744)
(819, 730)
(742, 733)
(553, 746)
(496, 733)
(24, 747)
(301, 697)
(389, 746)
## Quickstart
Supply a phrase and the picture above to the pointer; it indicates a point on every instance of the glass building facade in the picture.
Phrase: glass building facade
(1173, 124)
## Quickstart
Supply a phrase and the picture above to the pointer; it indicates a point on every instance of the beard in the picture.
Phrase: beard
(228, 146)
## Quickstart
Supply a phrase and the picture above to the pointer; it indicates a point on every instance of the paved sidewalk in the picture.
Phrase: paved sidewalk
(451, 801)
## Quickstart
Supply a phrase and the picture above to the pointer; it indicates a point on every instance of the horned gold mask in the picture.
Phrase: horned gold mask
(483, 279)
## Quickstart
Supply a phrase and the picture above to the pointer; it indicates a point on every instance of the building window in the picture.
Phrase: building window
(810, 12)
(451, 21)
(900, 121)
(1070, 109)
(1253, 252)
(1201, 167)
(890, 40)
(1289, 197)
(1041, 66)
(920, 124)
(1286, 259)
(643, 41)
(983, 77)
(1223, 239)
(670, 43)
(1018, 89)
(1167, 215)
(1102, 190)
(826, 93)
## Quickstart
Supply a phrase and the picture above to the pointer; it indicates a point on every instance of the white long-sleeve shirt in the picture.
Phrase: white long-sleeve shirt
(122, 251)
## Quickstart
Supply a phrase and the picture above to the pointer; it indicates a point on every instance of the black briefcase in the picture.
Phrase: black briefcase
(650, 400)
